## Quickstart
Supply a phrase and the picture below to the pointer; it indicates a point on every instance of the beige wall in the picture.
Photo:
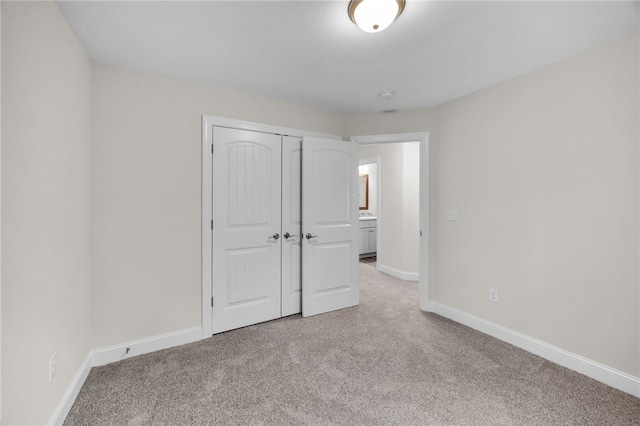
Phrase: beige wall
(45, 208)
(543, 170)
(146, 200)
(398, 222)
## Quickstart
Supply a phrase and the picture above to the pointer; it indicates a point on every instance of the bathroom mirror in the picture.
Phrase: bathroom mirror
(364, 192)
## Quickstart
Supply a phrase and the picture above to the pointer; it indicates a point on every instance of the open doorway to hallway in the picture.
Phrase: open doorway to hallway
(389, 217)
(423, 215)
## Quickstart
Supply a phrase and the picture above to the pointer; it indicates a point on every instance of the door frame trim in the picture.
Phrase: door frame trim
(207, 240)
(423, 138)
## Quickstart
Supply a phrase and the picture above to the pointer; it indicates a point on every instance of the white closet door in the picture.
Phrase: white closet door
(291, 226)
(247, 240)
(330, 225)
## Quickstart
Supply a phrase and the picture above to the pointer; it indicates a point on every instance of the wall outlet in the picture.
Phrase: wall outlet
(53, 365)
(493, 295)
(452, 215)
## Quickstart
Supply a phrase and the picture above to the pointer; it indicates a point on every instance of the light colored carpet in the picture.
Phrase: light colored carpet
(382, 363)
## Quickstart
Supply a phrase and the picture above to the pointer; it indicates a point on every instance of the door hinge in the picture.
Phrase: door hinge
(212, 225)
(212, 302)
(212, 148)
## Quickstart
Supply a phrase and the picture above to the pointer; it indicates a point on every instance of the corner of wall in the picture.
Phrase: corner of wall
(44, 208)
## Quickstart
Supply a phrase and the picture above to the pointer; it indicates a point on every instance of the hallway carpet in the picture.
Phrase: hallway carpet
(382, 363)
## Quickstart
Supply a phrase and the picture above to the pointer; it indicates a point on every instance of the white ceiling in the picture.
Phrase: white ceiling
(310, 52)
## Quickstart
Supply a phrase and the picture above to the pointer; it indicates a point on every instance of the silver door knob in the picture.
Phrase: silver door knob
(309, 236)
(275, 236)
(287, 236)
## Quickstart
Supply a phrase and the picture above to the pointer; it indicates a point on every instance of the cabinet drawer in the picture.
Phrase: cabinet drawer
(368, 223)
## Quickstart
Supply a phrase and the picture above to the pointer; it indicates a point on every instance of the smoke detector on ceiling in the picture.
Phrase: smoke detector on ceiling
(386, 95)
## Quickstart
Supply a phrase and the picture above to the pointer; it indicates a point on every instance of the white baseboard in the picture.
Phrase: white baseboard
(405, 276)
(600, 372)
(61, 411)
(115, 353)
(143, 346)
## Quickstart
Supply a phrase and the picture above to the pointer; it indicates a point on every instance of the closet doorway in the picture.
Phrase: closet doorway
(279, 241)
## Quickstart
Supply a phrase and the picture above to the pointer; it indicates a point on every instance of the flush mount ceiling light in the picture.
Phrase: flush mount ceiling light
(374, 16)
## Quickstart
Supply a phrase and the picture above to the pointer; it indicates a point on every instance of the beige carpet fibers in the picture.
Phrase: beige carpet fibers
(383, 362)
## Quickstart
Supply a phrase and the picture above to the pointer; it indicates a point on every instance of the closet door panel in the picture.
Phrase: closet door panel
(291, 225)
(246, 235)
(330, 225)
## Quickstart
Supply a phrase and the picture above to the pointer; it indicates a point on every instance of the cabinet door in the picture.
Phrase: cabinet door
(373, 240)
(364, 241)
